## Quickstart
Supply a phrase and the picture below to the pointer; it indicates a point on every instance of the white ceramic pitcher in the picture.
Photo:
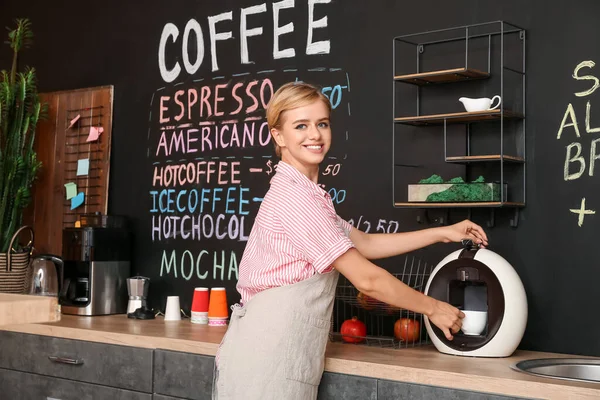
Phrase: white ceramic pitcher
(480, 104)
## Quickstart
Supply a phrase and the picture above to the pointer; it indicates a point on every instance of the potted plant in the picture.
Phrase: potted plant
(20, 111)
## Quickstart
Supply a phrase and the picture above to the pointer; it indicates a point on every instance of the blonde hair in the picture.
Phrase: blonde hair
(289, 96)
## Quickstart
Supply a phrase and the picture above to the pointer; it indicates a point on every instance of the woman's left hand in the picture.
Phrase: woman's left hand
(464, 230)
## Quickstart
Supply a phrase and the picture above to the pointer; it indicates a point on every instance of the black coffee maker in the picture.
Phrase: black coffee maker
(97, 259)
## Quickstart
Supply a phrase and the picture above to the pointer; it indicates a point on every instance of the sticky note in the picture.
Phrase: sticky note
(71, 188)
(94, 133)
(74, 121)
(77, 200)
(83, 166)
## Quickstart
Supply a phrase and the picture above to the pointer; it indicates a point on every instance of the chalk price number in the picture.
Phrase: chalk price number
(334, 94)
(271, 167)
(332, 170)
(337, 195)
(383, 226)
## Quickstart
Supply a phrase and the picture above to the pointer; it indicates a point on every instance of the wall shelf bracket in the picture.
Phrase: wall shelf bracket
(492, 220)
(424, 217)
(514, 222)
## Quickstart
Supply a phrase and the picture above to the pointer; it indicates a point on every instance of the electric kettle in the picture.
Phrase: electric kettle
(46, 275)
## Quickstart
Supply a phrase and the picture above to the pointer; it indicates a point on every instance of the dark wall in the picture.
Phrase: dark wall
(83, 45)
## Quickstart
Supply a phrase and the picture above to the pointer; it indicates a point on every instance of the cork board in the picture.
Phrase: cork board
(63, 142)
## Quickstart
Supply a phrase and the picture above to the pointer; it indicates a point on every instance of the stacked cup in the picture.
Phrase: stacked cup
(172, 310)
(217, 307)
(200, 306)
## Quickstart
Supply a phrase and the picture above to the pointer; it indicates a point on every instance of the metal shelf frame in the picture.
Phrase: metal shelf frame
(423, 40)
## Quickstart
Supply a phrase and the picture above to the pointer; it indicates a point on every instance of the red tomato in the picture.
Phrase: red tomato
(353, 327)
(407, 329)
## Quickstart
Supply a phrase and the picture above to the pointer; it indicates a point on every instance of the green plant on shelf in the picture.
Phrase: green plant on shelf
(461, 191)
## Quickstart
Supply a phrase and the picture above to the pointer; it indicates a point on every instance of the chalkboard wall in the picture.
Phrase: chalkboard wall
(196, 104)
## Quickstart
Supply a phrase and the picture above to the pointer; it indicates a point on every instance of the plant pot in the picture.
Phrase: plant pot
(455, 192)
(14, 266)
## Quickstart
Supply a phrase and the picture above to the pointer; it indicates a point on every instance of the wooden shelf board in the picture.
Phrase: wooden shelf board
(490, 157)
(442, 76)
(459, 205)
(453, 118)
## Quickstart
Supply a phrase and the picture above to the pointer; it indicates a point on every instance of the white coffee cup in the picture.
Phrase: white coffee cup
(474, 322)
(172, 310)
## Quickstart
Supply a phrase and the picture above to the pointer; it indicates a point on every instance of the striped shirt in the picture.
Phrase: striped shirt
(295, 235)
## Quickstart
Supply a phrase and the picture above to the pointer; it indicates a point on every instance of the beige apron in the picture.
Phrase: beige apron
(274, 347)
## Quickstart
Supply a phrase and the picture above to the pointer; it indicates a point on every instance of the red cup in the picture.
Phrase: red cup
(200, 300)
(200, 303)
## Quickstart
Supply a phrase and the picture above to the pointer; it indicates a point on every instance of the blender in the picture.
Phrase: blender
(137, 287)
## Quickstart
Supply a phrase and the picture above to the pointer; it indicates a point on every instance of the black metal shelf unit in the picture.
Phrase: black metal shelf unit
(497, 34)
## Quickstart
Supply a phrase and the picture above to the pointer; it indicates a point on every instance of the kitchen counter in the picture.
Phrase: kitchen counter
(26, 309)
(419, 365)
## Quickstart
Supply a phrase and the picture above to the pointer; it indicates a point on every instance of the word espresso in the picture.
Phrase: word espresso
(207, 101)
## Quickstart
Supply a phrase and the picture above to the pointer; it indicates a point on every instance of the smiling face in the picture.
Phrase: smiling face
(304, 137)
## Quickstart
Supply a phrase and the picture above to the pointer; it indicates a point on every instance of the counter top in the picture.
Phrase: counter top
(421, 365)
(26, 309)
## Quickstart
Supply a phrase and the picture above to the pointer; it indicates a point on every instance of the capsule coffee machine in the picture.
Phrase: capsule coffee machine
(96, 259)
(480, 283)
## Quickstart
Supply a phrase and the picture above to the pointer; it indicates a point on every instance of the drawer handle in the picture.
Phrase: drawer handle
(63, 360)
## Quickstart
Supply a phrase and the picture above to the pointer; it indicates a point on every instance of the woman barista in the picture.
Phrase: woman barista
(274, 347)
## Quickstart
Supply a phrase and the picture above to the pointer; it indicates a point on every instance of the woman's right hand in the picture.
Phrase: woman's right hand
(446, 317)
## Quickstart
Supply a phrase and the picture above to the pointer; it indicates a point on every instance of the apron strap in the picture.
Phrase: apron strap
(238, 310)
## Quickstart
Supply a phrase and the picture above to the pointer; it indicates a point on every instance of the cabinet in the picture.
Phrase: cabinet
(128, 373)
(350, 387)
(17, 385)
(392, 390)
(434, 134)
(347, 387)
(185, 375)
(116, 366)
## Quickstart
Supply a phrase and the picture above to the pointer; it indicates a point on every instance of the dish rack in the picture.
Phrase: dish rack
(380, 317)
